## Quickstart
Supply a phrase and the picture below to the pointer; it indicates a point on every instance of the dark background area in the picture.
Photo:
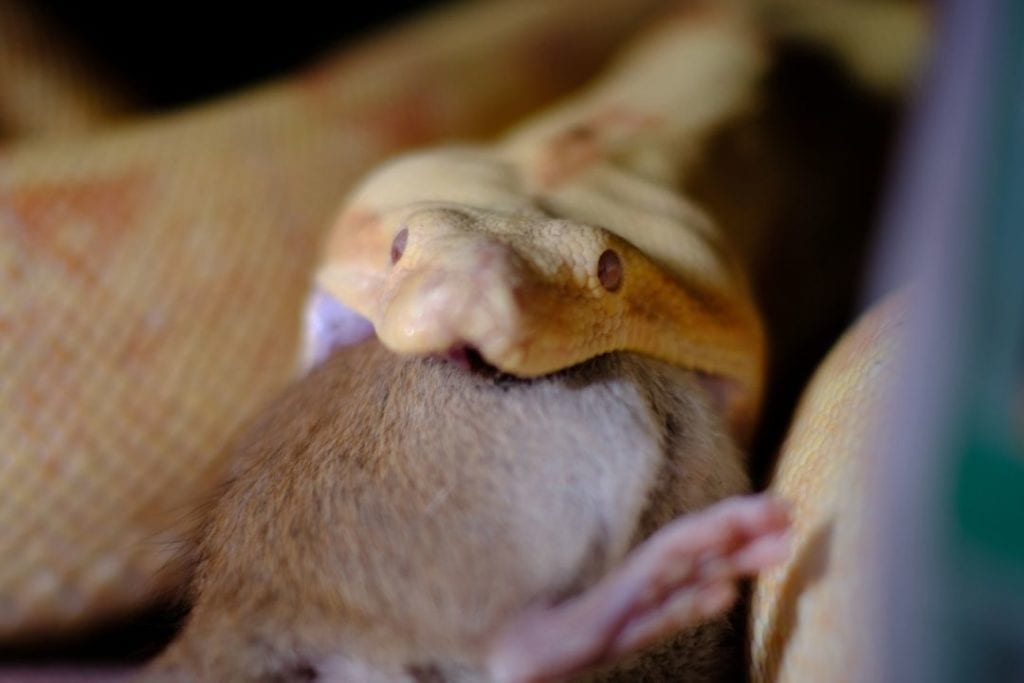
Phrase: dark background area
(174, 53)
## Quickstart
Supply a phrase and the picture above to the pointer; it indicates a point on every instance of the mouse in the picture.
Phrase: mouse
(415, 519)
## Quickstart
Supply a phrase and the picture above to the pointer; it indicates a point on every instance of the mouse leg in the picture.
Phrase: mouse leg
(684, 574)
(327, 325)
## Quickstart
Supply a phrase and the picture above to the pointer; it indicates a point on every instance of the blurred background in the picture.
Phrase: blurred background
(173, 54)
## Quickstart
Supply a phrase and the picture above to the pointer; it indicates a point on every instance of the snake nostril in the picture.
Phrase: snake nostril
(609, 270)
(398, 245)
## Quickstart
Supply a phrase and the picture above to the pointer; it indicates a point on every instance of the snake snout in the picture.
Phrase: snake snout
(455, 294)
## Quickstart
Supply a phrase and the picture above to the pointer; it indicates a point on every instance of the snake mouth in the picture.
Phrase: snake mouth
(469, 358)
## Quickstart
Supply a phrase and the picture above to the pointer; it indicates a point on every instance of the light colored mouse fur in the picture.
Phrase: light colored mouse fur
(390, 514)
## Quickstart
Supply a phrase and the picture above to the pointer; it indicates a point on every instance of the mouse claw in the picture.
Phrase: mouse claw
(684, 574)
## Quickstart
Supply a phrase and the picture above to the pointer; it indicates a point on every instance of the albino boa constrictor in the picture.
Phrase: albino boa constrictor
(119, 567)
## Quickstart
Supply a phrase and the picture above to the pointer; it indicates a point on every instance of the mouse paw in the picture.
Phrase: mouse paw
(328, 325)
(684, 574)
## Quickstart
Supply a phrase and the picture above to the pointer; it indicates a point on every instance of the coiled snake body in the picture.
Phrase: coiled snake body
(154, 273)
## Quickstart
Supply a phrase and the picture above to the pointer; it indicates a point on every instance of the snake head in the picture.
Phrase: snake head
(445, 252)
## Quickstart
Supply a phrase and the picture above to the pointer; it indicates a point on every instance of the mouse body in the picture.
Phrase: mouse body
(407, 519)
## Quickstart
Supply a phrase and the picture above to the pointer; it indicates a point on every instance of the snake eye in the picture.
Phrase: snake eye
(398, 245)
(609, 270)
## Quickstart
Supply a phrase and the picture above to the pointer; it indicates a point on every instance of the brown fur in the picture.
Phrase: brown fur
(390, 514)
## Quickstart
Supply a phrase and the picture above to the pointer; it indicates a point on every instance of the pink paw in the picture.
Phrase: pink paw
(682, 575)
